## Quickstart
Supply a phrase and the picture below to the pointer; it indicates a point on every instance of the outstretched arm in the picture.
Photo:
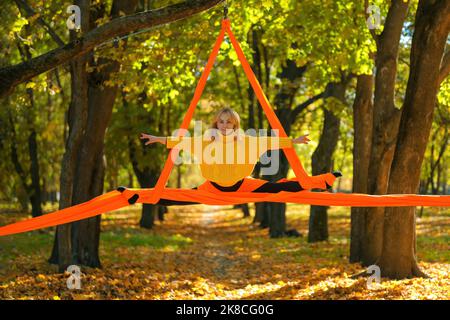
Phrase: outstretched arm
(153, 139)
(302, 139)
(285, 142)
(181, 143)
(274, 143)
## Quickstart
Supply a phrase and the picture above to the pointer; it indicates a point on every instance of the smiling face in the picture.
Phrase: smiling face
(225, 124)
(226, 121)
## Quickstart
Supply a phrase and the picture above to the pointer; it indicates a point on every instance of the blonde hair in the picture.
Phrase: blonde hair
(234, 118)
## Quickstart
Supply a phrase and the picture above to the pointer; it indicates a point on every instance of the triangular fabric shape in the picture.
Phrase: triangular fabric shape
(306, 181)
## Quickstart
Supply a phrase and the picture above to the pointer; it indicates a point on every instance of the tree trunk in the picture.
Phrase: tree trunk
(256, 34)
(362, 123)
(88, 182)
(318, 224)
(385, 125)
(435, 165)
(322, 160)
(89, 167)
(432, 25)
(277, 211)
(162, 210)
(265, 213)
(444, 178)
(34, 189)
(261, 214)
(277, 219)
(77, 122)
(148, 216)
(36, 195)
(147, 177)
(322, 163)
(290, 73)
(245, 210)
(251, 95)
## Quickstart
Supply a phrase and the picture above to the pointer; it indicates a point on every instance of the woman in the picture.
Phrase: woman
(228, 157)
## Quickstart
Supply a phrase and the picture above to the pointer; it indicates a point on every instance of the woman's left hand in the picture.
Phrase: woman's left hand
(302, 139)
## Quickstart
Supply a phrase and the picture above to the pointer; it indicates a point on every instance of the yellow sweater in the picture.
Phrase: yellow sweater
(227, 159)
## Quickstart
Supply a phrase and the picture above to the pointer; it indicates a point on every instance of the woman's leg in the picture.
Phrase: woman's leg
(275, 187)
(167, 202)
(294, 186)
(205, 186)
(323, 181)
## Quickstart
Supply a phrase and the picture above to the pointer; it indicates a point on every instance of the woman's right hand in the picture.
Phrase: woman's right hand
(302, 139)
(151, 139)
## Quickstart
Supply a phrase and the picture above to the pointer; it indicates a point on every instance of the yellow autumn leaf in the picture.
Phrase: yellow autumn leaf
(30, 85)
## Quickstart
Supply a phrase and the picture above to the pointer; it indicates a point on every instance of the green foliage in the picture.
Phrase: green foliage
(444, 93)
(25, 244)
(137, 238)
(161, 67)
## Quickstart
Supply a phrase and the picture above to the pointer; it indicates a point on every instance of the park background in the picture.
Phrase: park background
(366, 79)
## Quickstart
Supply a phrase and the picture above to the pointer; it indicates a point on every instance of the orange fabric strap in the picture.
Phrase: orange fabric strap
(292, 157)
(161, 183)
(301, 197)
(115, 200)
(306, 181)
(107, 202)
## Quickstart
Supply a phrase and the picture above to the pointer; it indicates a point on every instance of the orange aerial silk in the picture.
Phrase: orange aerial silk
(118, 199)
(306, 181)
(208, 194)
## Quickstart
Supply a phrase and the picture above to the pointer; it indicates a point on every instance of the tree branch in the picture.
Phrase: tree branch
(11, 76)
(444, 71)
(304, 105)
(30, 12)
(15, 157)
(372, 31)
(441, 153)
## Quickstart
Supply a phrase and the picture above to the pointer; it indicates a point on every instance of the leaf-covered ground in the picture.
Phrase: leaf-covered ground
(202, 252)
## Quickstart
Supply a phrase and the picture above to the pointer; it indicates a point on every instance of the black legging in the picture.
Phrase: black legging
(268, 187)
